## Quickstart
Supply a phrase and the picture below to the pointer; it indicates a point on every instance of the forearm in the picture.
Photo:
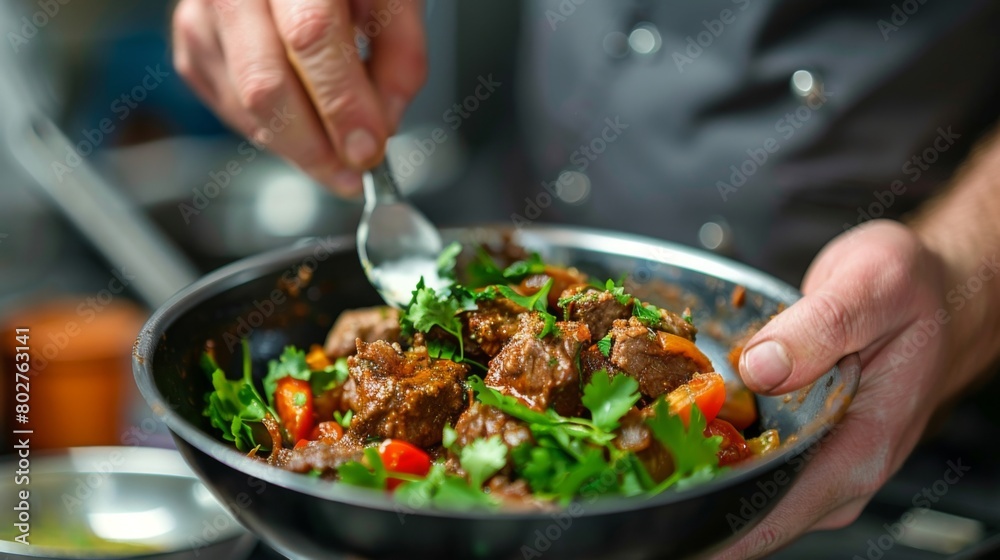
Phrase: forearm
(962, 228)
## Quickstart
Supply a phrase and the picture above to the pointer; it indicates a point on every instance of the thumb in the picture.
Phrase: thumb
(853, 298)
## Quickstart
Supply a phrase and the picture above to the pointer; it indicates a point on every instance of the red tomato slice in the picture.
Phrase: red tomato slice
(734, 448)
(707, 390)
(293, 401)
(403, 457)
(327, 432)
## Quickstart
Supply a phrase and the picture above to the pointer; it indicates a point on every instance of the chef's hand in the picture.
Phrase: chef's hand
(871, 290)
(237, 54)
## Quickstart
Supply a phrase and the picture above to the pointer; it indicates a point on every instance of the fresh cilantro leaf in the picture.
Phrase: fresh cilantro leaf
(635, 479)
(235, 407)
(448, 436)
(687, 316)
(609, 399)
(428, 309)
(356, 473)
(691, 450)
(699, 476)
(445, 491)
(483, 270)
(482, 458)
(508, 404)
(522, 269)
(441, 349)
(538, 301)
(446, 260)
(618, 291)
(648, 313)
(344, 419)
(291, 363)
(455, 493)
(604, 345)
(550, 325)
(589, 464)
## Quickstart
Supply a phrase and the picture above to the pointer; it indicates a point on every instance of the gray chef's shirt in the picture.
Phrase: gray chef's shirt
(760, 127)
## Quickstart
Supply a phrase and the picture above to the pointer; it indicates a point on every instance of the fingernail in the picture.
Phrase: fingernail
(767, 365)
(347, 182)
(395, 106)
(360, 148)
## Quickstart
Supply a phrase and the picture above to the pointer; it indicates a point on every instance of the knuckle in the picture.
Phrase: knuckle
(183, 64)
(259, 89)
(309, 24)
(768, 537)
(831, 323)
(186, 20)
(418, 67)
(333, 106)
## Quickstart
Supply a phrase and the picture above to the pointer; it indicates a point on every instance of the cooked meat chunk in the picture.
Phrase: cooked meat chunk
(491, 325)
(407, 396)
(598, 309)
(633, 434)
(322, 456)
(516, 494)
(481, 421)
(591, 360)
(659, 361)
(658, 461)
(674, 324)
(368, 324)
(562, 279)
(542, 372)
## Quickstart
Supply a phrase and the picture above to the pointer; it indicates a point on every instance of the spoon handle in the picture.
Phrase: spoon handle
(380, 187)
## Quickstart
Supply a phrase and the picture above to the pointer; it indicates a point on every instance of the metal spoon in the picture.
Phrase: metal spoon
(397, 244)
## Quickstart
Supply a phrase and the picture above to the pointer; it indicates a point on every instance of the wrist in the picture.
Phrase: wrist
(969, 302)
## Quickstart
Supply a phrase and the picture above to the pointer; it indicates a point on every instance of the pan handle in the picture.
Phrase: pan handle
(119, 230)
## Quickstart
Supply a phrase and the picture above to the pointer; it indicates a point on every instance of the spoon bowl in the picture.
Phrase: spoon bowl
(397, 244)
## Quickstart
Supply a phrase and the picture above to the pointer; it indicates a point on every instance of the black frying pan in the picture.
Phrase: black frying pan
(305, 517)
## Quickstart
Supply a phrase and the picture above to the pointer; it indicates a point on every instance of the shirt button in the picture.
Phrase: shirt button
(806, 84)
(716, 236)
(645, 39)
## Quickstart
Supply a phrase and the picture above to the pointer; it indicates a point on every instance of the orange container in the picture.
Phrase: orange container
(80, 381)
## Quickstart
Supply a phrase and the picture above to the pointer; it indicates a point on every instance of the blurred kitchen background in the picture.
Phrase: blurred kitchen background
(75, 65)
